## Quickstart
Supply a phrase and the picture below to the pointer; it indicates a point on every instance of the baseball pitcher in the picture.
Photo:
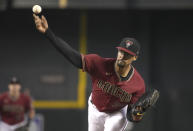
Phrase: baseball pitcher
(116, 84)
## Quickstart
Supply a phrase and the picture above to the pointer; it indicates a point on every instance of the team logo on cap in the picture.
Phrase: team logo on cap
(129, 43)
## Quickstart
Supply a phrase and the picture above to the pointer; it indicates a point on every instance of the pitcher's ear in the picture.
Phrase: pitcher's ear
(135, 58)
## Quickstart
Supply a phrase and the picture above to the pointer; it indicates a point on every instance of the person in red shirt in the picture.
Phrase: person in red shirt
(13, 107)
(116, 84)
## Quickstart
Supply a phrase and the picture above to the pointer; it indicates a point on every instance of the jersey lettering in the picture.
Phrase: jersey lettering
(13, 108)
(114, 90)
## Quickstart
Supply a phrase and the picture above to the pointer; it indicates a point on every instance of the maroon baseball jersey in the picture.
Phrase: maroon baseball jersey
(109, 93)
(12, 112)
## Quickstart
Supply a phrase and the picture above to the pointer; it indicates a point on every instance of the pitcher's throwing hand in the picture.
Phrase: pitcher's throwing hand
(41, 23)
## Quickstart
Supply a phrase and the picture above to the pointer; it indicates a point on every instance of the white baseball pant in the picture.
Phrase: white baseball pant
(101, 121)
(6, 127)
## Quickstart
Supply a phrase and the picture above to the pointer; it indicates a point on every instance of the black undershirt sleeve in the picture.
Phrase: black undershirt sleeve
(65, 49)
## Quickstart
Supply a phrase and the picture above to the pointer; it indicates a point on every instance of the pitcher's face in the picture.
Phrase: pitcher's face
(14, 88)
(124, 58)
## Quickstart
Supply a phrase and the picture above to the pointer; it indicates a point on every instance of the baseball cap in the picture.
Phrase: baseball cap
(129, 45)
(14, 80)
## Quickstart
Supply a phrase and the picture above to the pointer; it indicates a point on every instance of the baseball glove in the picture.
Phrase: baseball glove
(145, 102)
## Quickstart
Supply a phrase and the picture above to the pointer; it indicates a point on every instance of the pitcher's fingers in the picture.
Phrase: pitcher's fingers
(37, 22)
(38, 26)
(44, 19)
(36, 17)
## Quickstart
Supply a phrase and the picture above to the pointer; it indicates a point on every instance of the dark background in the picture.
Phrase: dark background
(165, 61)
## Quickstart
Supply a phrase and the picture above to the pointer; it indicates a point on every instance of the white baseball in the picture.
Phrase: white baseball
(37, 9)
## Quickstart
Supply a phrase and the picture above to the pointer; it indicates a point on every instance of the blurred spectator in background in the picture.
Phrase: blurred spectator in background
(14, 105)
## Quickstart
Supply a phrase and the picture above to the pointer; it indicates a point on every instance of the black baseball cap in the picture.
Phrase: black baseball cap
(130, 45)
(14, 80)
